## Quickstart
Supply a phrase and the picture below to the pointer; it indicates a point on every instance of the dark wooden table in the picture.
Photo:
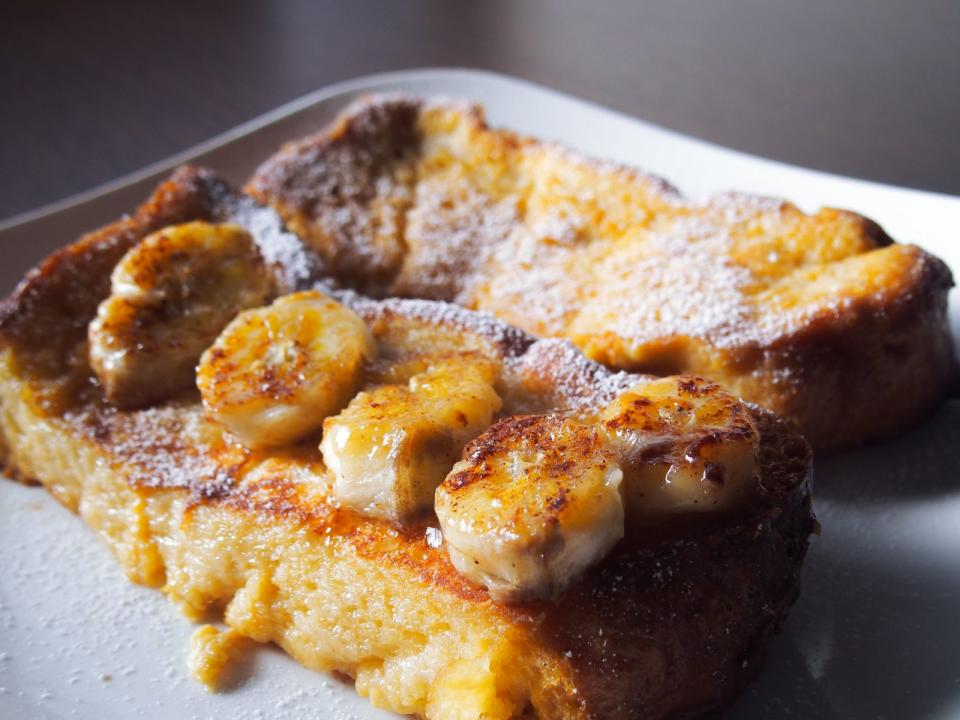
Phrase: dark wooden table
(870, 88)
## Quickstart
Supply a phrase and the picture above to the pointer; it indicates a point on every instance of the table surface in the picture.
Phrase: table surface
(868, 88)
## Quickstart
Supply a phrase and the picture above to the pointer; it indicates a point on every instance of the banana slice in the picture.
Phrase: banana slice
(536, 500)
(171, 294)
(685, 445)
(275, 373)
(391, 447)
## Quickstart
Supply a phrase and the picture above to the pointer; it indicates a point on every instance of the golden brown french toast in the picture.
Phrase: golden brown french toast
(821, 318)
(652, 530)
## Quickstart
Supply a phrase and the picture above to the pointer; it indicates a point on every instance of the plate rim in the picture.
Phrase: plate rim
(359, 84)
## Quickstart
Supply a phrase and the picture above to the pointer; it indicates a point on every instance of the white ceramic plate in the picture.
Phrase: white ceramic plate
(873, 635)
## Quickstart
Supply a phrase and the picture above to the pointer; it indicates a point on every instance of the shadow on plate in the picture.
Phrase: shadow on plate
(874, 634)
(921, 464)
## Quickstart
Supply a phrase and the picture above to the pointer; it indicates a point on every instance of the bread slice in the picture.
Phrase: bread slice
(673, 623)
(821, 318)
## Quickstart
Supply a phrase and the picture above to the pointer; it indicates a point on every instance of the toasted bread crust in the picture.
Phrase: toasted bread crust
(667, 626)
(799, 313)
(49, 311)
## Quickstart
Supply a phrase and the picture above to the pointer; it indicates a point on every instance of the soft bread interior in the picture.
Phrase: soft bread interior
(410, 644)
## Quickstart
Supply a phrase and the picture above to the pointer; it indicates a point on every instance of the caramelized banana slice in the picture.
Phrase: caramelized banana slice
(535, 501)
(391, 447)
(170, 296)
(275, 373)
(685, 445)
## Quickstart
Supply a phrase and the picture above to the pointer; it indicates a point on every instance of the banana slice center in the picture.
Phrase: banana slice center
(171, 294)
(276, 373)
(391, 447)
(685, 445)
(535, 501)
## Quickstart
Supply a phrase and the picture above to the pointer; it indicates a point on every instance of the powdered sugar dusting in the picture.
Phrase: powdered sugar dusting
(451, 231)
(171, 445)
(544, 375)
(555, 242)
(510, 340)
(294, 264)
(690, 289)
(657, 186)
(738, 207)
(534, 278)
(568, 380)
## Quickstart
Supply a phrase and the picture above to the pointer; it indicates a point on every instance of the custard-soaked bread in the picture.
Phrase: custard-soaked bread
(820, 318)
(642, 543)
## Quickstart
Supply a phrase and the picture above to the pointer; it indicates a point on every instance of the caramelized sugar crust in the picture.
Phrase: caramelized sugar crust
(673, 624)
(821, 318)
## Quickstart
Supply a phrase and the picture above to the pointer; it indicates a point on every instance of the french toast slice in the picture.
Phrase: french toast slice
(821, 318)
(673, 622)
